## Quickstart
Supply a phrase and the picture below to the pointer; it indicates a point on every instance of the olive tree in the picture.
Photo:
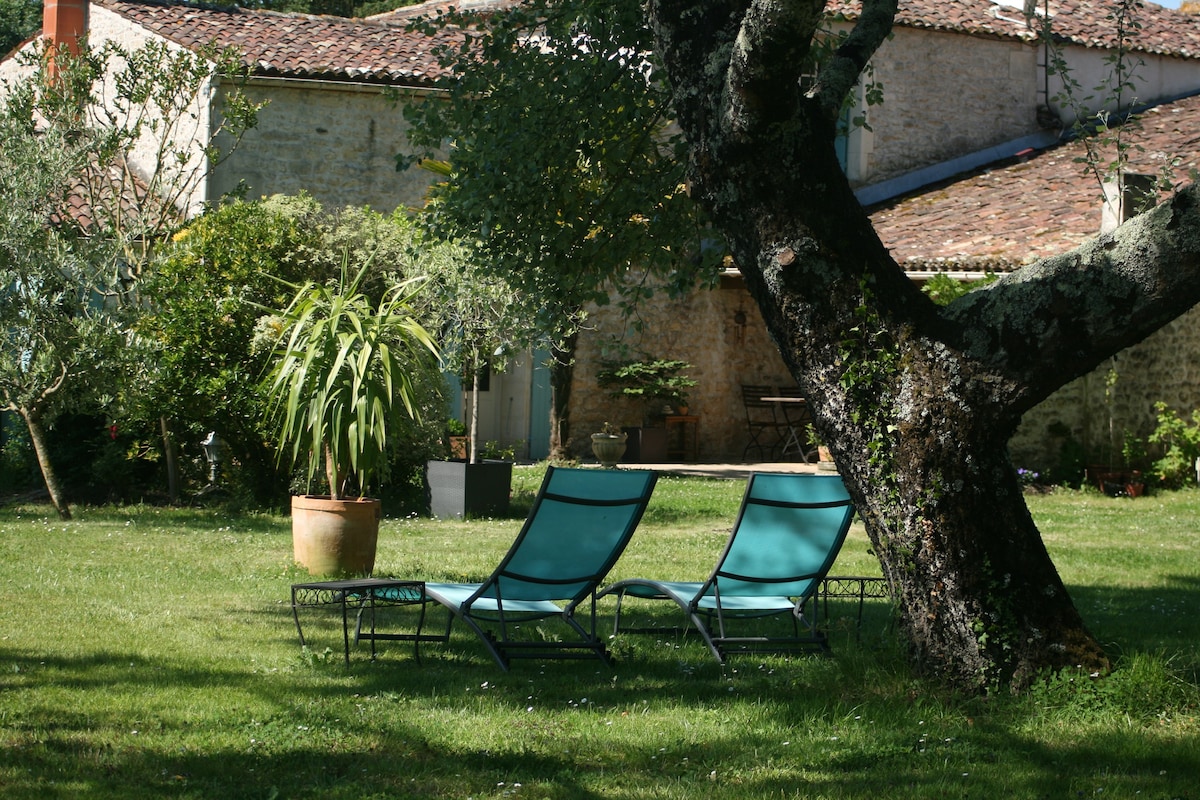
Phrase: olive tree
(80, 214)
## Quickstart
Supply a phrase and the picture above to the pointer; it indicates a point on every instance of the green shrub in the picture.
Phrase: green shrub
(1181, 442)
(943, 289)
(206, 291)
(18, 471)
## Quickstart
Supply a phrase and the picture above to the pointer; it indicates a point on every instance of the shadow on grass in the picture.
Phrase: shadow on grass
(1162, 620)
(667, 722)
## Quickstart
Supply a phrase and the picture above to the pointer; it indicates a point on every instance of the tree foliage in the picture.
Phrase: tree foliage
(566, 177)
(565, 169)
(55, 325)
(80, 216)
(194, 341)
(18, 21)
(205, 340)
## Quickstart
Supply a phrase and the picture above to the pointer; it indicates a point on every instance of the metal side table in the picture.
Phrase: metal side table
(366, 593)
(851, 587)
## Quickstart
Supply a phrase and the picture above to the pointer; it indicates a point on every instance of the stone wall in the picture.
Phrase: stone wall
(1118, 397)
(944, 95)
(721, 333)
(338, 142)
(949, 94)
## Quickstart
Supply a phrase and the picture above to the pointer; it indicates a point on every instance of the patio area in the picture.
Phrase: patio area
(740, 470)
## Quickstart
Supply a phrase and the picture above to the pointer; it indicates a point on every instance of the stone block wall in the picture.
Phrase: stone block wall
(719, 332)
(1118, 397)
(337, 142)
(944, 95)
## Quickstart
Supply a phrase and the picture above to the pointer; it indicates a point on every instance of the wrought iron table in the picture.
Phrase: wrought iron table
(795, 418)
(852, 587)
(367, 593)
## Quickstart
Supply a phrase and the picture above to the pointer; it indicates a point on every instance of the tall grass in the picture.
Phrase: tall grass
(150, 653)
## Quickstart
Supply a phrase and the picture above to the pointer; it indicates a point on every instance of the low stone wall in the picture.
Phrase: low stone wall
(1098, 409)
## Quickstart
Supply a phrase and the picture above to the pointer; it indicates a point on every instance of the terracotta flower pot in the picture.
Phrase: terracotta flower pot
(335, 537)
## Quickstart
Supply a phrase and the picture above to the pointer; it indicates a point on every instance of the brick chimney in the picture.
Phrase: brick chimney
(63, 22)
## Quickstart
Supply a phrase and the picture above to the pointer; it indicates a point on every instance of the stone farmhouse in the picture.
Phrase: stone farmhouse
(968, 169)
(964, 165)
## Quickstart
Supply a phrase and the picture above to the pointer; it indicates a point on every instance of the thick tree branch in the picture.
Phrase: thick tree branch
(838, 77)
(1066, 314)
(691, 39)
(768, 57)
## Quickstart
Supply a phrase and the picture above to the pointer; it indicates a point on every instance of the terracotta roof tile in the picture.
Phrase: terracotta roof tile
(1084, 22)
(296, 45)
(380, 49)
(1028, 207)
(1031, 208)
(433, 8)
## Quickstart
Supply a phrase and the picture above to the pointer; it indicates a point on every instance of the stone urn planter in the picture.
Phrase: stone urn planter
(608, 448)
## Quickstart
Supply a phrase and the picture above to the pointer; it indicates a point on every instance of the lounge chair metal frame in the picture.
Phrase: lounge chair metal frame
(788, 532)
(580, 523)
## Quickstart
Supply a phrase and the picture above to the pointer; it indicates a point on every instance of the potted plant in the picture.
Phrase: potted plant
(657, 382)
(456, 438)
(824, 457)
(342, 376)
(609, 445)
(481, 327)
(659, 388)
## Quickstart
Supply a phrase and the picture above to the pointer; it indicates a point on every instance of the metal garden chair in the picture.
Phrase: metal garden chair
(579, 525)
(788, 532)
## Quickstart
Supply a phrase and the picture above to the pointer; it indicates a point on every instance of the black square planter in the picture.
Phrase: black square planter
(459, 489)
(645, 445)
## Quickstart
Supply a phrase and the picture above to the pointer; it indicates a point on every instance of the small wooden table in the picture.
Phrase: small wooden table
(366, 593)
(683, 435)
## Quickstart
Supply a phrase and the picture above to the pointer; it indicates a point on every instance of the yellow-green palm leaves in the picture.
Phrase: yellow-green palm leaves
(343, 374)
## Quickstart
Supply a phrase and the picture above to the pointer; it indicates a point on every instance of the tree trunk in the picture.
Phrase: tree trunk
(37, 436)
(333, 475)
(562, 368)
(171, 456)
(473, 453)
(916, 403)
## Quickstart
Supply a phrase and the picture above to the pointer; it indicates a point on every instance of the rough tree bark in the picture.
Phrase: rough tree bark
(562, 368)
(37, 437)
(917, 403)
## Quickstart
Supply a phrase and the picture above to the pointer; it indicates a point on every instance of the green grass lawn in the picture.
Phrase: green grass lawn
(150, 653)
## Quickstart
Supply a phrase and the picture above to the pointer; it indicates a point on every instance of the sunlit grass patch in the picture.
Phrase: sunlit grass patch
(149, 653)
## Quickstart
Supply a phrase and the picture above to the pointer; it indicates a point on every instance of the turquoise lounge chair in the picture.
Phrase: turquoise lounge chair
(580, 523)
(787, 534)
